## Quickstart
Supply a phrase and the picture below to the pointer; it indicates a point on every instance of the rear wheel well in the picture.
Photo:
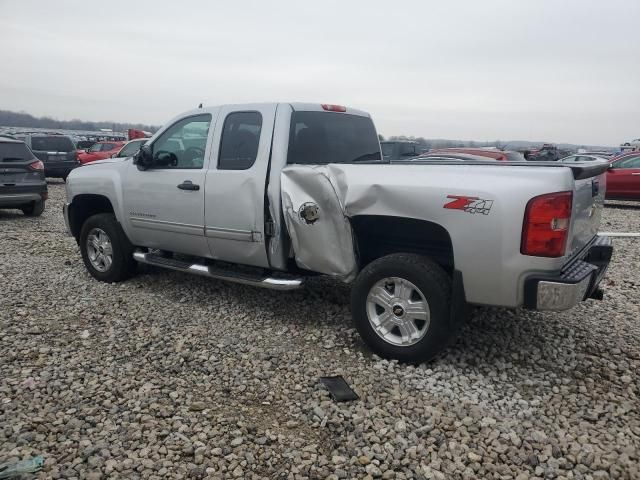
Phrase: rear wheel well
(380, 235)
(84, 206)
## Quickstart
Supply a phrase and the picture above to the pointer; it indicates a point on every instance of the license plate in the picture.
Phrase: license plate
(54, 158)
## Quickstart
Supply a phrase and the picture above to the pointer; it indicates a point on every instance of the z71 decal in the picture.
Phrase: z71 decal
(469, 204)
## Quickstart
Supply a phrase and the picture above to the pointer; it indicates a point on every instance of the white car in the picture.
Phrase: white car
(583, 157)
(632, 145)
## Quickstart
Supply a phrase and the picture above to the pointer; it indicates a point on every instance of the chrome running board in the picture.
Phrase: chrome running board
(211, 271)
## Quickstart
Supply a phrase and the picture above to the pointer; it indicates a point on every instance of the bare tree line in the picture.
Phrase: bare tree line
(23, 119)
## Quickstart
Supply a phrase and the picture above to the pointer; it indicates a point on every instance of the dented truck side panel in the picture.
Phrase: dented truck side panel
(315, 215)
(340, 192)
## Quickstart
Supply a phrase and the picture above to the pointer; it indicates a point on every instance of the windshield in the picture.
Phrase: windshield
(52, 144)
(319, 138)
(99, 147)
(131, 148)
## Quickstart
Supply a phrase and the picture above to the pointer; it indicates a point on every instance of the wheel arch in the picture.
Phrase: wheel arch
(84, 206)
(380, 235)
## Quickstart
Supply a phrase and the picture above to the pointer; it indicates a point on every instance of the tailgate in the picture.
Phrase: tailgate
(588, 203)
(17, 172)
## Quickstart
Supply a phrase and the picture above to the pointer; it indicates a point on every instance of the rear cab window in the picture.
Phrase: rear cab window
(320, 138)
(52, 144)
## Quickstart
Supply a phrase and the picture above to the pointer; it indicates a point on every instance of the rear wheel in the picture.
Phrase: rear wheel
(34, 209)
(106, 250)
(401, 305)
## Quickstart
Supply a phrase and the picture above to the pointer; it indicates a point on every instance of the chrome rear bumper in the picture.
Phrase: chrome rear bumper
(576, 282)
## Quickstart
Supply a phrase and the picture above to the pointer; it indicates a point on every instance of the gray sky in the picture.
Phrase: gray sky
(544, 70)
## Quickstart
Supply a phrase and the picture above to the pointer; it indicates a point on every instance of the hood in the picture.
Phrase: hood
(107, 160)
(95, 177)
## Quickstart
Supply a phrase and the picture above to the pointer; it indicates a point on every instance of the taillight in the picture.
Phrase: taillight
(546, 225)
(333, 108)
(37, 165)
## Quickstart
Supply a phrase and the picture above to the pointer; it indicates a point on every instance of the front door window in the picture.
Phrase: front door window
(183, 144)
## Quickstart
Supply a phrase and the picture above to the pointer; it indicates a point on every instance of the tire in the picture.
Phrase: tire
(104, 231)
(429, 290)
(34, 209)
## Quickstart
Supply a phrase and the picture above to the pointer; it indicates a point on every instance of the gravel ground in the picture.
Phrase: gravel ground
(169, 375)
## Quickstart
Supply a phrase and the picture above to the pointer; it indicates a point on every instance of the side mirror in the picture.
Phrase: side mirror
(165, 159)
(114, 155)
(144, 158)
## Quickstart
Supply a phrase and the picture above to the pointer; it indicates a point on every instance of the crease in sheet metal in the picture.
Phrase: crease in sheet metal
(326, 245)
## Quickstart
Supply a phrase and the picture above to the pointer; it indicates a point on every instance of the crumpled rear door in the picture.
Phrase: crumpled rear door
(313, 207)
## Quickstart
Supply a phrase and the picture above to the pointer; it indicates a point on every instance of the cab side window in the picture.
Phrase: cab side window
(240, 139)
(183, 144)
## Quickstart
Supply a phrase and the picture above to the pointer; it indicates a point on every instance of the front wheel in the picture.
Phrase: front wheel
(401, 305)
(106, 250)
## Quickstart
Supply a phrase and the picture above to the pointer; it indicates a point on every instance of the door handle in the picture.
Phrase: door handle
(188, 185)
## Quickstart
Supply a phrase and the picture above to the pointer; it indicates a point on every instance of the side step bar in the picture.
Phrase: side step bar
(218, 273)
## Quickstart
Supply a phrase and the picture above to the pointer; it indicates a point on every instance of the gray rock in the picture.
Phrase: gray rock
(185, 377)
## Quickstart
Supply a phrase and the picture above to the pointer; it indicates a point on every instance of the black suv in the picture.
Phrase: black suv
(57, 152)
(22, 181)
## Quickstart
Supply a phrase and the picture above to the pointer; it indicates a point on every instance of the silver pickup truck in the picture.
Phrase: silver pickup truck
(268, 194)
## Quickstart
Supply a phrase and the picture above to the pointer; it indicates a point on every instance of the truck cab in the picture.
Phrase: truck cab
(222, 158)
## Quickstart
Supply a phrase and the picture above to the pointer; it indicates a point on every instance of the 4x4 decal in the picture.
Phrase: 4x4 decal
(469, 204)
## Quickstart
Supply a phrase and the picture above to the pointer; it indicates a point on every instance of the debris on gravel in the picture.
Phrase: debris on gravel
(173, 376)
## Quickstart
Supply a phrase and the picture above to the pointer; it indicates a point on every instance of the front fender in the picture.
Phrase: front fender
(99, 179)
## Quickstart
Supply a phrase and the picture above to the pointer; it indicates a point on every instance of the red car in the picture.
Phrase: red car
(100, 151)
(623, 177)
(501, 156)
